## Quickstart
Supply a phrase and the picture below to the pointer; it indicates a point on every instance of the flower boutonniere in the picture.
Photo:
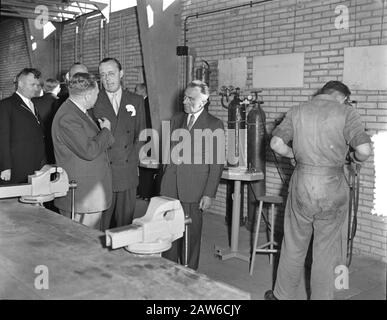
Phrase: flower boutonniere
(130, 108)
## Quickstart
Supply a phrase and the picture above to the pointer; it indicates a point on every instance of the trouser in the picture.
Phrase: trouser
(146, 185)
(121, 211)
(92, 220)
(317, 204)
(176, 252)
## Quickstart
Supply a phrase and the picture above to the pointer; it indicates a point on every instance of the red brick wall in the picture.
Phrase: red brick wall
(270, 29)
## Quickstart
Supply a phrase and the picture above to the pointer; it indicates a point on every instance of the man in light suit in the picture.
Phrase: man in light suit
(80, 148)
(194, 183)
(125, 110)
(22, 148)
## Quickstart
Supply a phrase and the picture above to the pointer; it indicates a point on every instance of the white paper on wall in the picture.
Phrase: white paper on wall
(232, 72)
(279, 71)
(365, 68)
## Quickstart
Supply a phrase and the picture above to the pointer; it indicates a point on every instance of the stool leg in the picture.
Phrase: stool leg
(253, 253)
(272, 233)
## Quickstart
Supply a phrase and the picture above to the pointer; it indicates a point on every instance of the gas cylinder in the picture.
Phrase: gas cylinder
(256, 157)
(236, 133)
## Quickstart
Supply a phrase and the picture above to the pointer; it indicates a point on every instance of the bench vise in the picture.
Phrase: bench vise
(39, 188)
(163, 223)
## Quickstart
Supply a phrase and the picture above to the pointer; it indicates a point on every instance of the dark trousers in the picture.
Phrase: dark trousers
(176, 252)
(121, 212)
(146, 186)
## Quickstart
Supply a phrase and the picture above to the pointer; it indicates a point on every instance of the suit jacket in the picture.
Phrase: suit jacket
(80, 149)
(126, 129)
(21, 139)
(47, 105)
(190, 182)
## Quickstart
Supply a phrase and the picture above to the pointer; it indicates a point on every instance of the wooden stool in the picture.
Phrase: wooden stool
(262, 199)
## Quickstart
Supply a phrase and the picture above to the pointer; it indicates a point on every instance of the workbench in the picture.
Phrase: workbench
(81, 267)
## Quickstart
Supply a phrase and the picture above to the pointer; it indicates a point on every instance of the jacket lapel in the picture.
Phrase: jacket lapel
(20, 102)
(108, 108)
(83, 115)
(200, 122)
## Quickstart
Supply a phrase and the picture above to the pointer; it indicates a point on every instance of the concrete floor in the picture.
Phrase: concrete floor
(367, 277)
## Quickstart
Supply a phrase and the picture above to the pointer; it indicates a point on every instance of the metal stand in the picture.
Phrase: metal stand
(72, 187)
(187, 221)
(238, 177)
(233, 252)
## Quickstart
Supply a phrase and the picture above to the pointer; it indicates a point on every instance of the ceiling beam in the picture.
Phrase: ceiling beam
(16, 4)
(29, 12)
(86, 15)
(24, 16)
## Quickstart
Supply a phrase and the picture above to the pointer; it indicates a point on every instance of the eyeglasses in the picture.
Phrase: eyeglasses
(349, 102)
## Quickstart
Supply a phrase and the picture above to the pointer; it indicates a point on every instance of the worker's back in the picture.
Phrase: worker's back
(319, 131)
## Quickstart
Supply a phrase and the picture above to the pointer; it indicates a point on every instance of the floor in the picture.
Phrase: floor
(367, 277)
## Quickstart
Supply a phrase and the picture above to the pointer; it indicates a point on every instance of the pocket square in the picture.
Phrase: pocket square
(130, 108)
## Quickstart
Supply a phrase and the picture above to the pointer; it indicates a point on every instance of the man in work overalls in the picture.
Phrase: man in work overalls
(317, 204)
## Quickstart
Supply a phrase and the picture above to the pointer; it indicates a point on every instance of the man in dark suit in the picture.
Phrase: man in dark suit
(22, 149)
(194, 178)
(81, 149)
(47, 105)
(125, 110)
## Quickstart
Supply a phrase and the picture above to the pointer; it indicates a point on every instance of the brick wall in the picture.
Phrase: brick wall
(276, 28)
(124, 44)
(13, 54)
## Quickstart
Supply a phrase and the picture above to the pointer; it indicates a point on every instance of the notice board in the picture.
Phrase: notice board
(279, 71)
(232, 72)
(365, 68)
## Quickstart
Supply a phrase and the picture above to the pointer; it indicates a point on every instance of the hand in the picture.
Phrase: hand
(353, 158)
(104, 123)
(293, 162)
(5, 175)
(205, 203)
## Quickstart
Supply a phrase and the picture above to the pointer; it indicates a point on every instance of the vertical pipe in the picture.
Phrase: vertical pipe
(59, 33)
(101, 27)
(76, 44)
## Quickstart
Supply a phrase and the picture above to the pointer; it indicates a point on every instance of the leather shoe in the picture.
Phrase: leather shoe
(269, 295)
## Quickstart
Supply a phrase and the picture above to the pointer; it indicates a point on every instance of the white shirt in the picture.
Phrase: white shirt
(197, 115)
(27, 101)
(118, 94)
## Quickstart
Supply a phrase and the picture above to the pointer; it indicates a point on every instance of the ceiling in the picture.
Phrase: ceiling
(51, 10)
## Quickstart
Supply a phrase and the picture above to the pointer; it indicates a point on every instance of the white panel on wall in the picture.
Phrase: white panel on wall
(279, 71)
(232, 72)
(365, 68)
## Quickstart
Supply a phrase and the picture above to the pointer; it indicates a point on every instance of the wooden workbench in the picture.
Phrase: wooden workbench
(81, 267)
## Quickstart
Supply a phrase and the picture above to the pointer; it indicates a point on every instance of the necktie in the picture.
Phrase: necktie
(115, 103)
(191, 121)
(32, 107)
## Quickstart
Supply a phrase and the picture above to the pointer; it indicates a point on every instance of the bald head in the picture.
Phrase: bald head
(77, 67)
